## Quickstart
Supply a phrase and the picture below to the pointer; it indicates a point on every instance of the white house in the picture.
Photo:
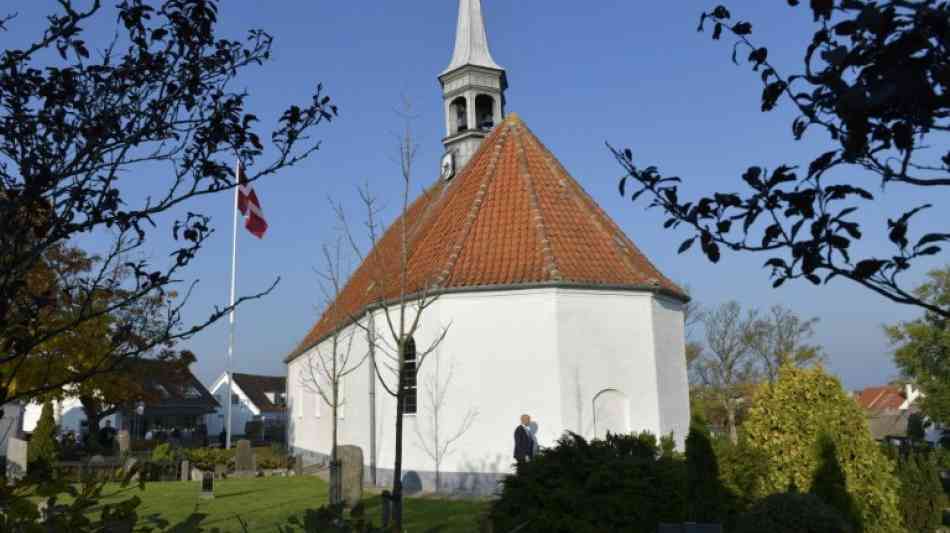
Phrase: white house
(253, 398)
(551, 309)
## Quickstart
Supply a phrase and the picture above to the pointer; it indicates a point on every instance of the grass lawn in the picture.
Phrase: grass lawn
(264, 503)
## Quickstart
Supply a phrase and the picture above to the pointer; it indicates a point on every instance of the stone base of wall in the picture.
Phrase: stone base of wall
(419, 481)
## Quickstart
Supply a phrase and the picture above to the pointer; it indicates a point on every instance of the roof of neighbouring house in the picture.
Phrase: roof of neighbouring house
(512, 218)
(887, 397)
(257, 387)
(173, 386)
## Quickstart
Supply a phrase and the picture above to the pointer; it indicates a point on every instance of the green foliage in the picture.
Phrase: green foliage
(621, 483)
(792, 512)
(331, 519)
(704, 490)
(921, 491)
(80, 508)
(741, 471)
(922, 347)
(816, 438)
(916, 427)
(272, 457)
(208, 458)
(164, 454)
(43, 450)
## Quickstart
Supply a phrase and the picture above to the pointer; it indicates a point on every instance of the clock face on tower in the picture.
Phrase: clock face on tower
(448, 166)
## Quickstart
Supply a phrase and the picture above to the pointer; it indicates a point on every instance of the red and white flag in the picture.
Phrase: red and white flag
(250, 206)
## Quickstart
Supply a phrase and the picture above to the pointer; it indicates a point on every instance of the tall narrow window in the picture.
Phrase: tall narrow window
(409, 378)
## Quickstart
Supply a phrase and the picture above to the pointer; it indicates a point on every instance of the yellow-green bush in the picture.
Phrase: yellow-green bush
(816, 440)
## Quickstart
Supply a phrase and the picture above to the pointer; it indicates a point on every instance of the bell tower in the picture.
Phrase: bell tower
(473, 87)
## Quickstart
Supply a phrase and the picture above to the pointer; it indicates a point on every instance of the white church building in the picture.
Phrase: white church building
(550, 309)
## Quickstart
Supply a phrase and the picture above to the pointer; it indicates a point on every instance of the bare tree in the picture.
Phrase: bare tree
(778, 338)
(727, 368)
(399, 304)
(332, 361)
(693, 317)
(434, 439)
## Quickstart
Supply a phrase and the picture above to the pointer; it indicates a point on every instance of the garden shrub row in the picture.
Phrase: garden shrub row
(805, 462)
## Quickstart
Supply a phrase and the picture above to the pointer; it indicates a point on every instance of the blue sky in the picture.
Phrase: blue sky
(581, 74)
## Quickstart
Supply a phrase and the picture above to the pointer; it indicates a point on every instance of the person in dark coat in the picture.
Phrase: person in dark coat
(524, 444)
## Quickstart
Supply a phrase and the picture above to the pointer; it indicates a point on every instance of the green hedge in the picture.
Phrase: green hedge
(622, 483)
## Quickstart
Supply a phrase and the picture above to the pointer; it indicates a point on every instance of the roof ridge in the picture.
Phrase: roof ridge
(456, 250)
(550, 262)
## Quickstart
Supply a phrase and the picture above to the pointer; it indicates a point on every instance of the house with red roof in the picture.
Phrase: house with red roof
(551, 310)
(889, 408)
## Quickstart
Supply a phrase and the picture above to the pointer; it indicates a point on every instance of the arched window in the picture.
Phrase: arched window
(459, 114)
(485, 111)
(409, 378)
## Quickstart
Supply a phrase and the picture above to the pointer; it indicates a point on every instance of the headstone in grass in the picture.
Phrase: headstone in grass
(125, 442)
(185, 470)
(220, 471)
(207, 486)
(244, 457)
(16, 459)
(298, 465)
(351, 459)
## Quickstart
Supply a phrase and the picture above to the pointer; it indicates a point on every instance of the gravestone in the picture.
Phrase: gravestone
(125, 442)
(244, 457)
(207, 486)
(220, 471)
(298, 465)
(97, 460)
(185, 470)
(16, 459)
(351, 462)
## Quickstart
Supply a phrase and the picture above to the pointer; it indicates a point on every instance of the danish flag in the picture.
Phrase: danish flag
(250, 206)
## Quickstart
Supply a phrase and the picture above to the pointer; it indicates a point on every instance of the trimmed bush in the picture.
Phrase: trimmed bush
(792, 512)
(815, 438)
(921, 491)
(741, 471)
(207, 458)
(622, 483)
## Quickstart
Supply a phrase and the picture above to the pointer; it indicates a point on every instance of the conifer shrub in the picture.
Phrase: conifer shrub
(43, 450)
(705, 493)
(816, 439)
(621, 483)
(792, 512)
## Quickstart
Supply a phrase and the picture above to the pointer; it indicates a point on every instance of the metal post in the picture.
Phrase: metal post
(237, 173)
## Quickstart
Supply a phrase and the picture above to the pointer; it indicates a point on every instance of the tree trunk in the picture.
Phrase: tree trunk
(335, 481)
(731, 422)
(397, 467)
(91, 409)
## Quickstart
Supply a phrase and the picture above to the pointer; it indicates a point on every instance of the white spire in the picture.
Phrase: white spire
(471, 40)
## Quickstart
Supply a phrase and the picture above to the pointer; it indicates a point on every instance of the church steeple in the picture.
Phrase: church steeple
(473, 86)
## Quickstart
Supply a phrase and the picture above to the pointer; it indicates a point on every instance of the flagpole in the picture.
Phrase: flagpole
(237, 173)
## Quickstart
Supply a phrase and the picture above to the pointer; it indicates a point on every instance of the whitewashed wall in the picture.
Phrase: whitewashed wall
(545, 352)
(672, 379)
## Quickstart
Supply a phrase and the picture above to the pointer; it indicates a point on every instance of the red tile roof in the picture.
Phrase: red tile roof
(881, 398)
(512, 217)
